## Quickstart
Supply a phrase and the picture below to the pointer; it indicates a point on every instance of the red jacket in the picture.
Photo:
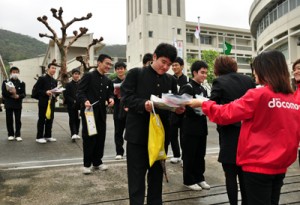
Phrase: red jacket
(270, 131)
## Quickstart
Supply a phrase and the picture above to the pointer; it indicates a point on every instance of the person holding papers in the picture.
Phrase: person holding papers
(119, 112)
(95, 91)
(138, 86)
(13, 91)
(72, 104)
(195, 132)
(176, 121)
(45, 85)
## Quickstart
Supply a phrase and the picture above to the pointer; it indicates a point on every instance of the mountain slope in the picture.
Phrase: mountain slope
(14, 46)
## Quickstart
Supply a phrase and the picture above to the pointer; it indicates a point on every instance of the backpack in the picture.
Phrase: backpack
(34, 92)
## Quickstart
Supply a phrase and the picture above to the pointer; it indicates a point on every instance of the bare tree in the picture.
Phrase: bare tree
(84, 60)
(61, 42)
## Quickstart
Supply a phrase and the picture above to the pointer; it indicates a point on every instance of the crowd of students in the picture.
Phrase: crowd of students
(257, 144)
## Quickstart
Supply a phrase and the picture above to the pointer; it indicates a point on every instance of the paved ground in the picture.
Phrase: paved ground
(34, 174)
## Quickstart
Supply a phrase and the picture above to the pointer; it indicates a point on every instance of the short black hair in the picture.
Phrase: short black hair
(179, 61)
(166, 50)
(52, 64)
(14, 68)
(102, 57)
(197, 65)
(147, 57)
(120, 64)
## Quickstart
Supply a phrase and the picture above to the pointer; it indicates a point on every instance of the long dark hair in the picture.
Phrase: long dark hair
(272, 70)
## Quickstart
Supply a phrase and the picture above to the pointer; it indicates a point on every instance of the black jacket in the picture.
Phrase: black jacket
(9, 101)
(95, 87)
(119, 112)
(225, 89)
(136, 89)
(70, 94)
(45, 83)
(194, 124)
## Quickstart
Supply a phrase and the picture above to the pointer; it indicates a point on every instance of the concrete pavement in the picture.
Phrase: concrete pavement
(32, 173)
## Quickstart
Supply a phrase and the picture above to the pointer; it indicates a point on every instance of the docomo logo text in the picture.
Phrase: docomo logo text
(275, 102)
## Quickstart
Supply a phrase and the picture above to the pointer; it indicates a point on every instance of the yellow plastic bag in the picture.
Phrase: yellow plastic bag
(156, 139)
(48, 111)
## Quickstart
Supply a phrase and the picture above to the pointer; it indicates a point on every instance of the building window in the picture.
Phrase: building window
(150, 34)
(189, 37)
(140, 35)
(131, 8)
(128, 38)
(141, 57)
(149, 6)
(206, 40)
(179, 31)
(159, 9)
(178, 8)
(128, 59)
(140, 6)
(135, 8)
(128, 12)
(169, 8)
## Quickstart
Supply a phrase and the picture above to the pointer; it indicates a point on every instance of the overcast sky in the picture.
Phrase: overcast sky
(109, 16)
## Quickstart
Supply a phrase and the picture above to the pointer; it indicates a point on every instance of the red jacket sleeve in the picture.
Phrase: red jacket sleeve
(236, 111)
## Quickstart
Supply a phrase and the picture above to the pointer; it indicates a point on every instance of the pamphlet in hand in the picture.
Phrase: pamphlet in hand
(179, 100)
(9, 86)
(199, 109)
(170, 101)
(117, 85)
(57, 90)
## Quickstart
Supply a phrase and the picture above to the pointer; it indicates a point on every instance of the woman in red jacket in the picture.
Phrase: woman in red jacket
(296, 73)
(268, 142)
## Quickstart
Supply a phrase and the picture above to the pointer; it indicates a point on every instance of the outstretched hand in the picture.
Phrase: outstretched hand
(195, 103)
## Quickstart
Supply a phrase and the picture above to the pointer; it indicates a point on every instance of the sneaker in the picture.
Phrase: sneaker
(103, 167)
(86, 170)
(204, 185)
(50, 139)
(41, 141)
(78, 137)
(175, 160)
(118, 157)
(11, 138)
(19, 139)
(74, 137)
(194, 187)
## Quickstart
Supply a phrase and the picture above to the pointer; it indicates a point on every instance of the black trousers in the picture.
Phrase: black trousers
(194, 150)
(137, 168)
(119, 130)
(232, 172)
(174, 140)
(44, 124)
(74, 120)
(10, 113)
(263, 189)
(93, 146)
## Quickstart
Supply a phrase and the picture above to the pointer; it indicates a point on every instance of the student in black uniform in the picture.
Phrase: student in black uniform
(95, 90)
(72, 104)
(136, 90)
(194, 127)
(119, 112)
(175, 120)
(13, 104)
(44, 85)
(228, 86)
(147, 59)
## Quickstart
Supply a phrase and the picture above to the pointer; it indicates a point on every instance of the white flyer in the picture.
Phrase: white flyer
(90, 121)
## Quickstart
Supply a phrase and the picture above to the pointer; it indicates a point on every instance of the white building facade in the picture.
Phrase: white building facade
(150, 22)
(275, 24)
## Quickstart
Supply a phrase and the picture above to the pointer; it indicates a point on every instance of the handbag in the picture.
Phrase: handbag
(156, 139)
(48, 111)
